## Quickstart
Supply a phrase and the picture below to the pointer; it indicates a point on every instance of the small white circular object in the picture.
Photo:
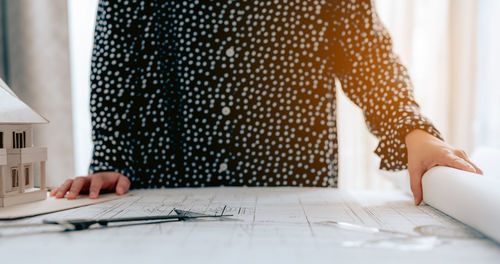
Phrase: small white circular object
(230, 52)
(223, 167)
(226, 110)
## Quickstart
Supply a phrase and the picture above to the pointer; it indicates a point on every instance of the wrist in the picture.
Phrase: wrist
(418, 135)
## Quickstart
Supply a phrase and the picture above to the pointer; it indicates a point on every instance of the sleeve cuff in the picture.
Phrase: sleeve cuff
(392, 148)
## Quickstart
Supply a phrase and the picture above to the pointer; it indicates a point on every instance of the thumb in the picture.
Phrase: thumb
(122, 185)
(416, 185)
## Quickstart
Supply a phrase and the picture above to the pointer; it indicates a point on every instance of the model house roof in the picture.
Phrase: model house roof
(15, 111)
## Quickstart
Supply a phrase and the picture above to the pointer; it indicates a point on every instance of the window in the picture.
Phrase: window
(18, 140)
(26, 175)
(15, 178)
(1, 140)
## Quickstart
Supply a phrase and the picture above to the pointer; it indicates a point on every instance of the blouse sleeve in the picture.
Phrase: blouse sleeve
(112, 89)
(372, 76)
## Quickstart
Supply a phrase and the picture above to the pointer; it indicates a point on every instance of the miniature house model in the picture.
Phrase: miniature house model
(22, 166)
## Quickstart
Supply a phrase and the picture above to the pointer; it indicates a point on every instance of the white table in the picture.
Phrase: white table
(279, 225)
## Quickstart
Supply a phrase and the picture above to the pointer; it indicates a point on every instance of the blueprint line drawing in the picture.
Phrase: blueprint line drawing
(285, 224)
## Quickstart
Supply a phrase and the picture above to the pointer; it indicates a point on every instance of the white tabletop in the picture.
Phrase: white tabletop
(268, 225)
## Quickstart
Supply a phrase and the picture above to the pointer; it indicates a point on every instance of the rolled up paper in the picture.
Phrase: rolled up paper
(470, 198)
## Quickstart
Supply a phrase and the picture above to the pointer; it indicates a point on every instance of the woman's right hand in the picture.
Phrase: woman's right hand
(93, 184)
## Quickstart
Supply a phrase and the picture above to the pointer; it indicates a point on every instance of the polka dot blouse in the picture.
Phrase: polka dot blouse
(208, 93)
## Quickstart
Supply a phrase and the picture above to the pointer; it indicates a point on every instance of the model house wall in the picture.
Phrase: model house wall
(22, 165)
(16, 137)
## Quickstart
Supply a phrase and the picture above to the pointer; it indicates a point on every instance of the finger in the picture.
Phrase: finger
(95, 187)
(478, 170)
(63, 189)
(77, 186)
(416, 185)
(462, 154)
(122, 185)
(458, 163)
(53, 191)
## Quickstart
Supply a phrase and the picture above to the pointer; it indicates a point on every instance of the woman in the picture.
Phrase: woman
(207, 93)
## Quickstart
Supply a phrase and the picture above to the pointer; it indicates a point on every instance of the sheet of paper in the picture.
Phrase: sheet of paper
(269, 225)
(50, 205)
(471, 198)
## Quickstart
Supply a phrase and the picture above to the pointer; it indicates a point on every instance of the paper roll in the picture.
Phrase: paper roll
(470, 198)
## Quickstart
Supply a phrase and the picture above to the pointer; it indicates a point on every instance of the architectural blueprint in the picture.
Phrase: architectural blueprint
(267, 225)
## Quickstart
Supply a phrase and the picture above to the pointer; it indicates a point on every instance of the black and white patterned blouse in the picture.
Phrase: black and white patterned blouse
(204, 93)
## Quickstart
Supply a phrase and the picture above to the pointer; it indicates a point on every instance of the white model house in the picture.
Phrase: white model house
(22, 165)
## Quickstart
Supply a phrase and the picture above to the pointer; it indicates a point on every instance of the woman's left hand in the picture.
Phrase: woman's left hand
(426, 151)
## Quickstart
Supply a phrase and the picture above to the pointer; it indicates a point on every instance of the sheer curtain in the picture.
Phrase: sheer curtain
(487, 122)
(487, 126)
(81, 28)
(436, 40)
